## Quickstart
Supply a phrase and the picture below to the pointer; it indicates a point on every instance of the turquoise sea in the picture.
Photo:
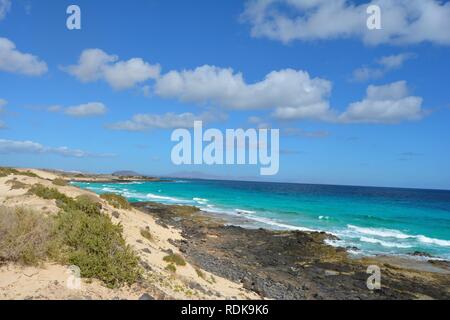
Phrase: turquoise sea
(373, 220)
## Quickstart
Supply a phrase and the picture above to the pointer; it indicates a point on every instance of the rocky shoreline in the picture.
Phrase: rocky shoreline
(294, 264)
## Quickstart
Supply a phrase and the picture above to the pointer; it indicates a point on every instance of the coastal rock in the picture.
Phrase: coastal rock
(146, 296)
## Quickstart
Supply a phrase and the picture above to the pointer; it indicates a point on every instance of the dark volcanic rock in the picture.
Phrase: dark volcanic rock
(288, 265)
(146, 296)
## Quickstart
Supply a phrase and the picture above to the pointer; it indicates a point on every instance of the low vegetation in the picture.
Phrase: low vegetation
(117, 201)
(25, 236)
(97, 247)
(48, 193)
(146, 234)
(171, 267)
(175, 259)
(16, 184)
(4, 172)
(80, 235)
(60, 182)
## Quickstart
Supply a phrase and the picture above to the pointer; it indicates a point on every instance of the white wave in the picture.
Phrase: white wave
(439, 242)
(324, 217)
(384, 243)
(278, 224)
(166, 198)
(389, 233)
(384, 233)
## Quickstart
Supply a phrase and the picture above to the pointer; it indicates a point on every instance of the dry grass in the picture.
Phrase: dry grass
(175, 259)
(25, 236)
(60, 182)
(16, 184)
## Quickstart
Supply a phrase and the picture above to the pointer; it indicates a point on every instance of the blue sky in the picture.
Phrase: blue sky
(354, 106)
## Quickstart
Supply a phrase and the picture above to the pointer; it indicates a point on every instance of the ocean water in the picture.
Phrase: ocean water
(373, 220)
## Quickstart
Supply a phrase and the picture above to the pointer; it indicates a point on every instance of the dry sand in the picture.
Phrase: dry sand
(49, 281)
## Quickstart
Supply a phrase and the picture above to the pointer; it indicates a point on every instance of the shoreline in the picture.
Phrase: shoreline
(251, 220)
(294, 264)
(219, 261)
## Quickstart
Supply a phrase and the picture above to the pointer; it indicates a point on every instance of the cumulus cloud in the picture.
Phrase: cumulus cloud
(387, 104)
(290, 92)
(86, 110)
(95, 64)
(385, 65)
(403, 21)
(5, 6)
(143, 122)
(14, 61)
(30, 147)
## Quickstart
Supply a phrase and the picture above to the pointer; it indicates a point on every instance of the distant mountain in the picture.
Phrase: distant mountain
(126, 173)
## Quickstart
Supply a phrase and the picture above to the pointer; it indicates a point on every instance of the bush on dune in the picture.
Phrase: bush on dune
(60, 182)
(86, 237)
(25, 236)
(48, 193)
(4, 172)
(96, 246)
(117, 201)
(15, 184)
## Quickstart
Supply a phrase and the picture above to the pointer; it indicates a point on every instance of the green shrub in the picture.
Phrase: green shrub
(117, 201)
(79, 235)
(146, 234)
(28, 174)
(48, 193)
(86, 203)
(25, 236)
(96, 246)
(4, 172)
(175, 258)
(60, 182)
(171, 267)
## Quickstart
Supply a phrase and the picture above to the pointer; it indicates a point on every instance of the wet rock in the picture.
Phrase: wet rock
(421, 254)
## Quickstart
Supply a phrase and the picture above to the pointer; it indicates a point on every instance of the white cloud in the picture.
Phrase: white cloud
(388, 104)
(386, 64)
(14, 61)
(95, 64)
(5, 6)
(403, 21)
(30, 147)
(143, 122)
(85, 110)
(290, 92)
